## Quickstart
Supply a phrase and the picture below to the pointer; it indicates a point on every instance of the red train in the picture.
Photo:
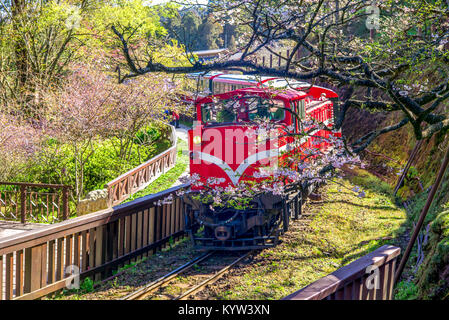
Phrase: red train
(225, 149)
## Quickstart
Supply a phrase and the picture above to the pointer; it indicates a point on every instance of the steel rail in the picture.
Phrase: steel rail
(147, 289)
(212, 279)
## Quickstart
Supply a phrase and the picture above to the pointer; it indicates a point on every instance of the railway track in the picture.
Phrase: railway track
(195, 277)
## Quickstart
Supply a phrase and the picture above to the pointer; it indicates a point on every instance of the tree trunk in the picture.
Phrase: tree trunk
(18, 9)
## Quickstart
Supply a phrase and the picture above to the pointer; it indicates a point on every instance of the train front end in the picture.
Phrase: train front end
(226, 148)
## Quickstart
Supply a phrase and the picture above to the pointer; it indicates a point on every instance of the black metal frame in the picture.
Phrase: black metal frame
(290, 207)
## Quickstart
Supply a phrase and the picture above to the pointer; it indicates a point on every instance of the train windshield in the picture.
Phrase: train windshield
(243, 110)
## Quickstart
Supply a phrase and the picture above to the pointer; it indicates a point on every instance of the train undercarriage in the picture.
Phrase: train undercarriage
(257, 227)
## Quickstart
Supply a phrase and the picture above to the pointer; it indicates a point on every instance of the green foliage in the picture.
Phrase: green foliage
(129, 14)
(87, 285)
(371, 182)
(412, 172)
(406, 290)
(432, 281)
(56, 163)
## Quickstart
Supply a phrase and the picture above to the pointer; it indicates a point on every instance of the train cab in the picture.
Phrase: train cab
(227, 142)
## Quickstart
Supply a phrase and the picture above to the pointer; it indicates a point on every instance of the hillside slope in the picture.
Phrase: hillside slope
(387, 155)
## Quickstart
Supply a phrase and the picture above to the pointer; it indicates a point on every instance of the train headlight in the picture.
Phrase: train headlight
(196, 139)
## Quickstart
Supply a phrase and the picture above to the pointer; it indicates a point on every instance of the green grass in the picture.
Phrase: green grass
(406, 290)
(342, 229)
(166, 180)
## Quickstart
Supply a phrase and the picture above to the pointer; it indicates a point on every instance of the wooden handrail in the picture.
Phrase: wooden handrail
(123, 186)
(349, 282)
(38, 185)
(96, 244)
(78, 224)
(48, 206)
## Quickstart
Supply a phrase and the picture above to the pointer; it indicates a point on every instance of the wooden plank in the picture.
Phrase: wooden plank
(115, 240)
(164, 223)
(44, 264)
(77, 249)
(383, 282)
(348, 293)
(33, 272)
(151, 227)
(365, 292)
(68, 250)
(176, 218)
(168, 221)
(99, 252)
(51, 261)
(59, 259)
(133, 233)
(181, 212)
(58, 285)
(84, 252)
(145, 230)
(108, 243)
(173, 218)
(139, 226)
(391, 280)
(19, 273)
(9, 290)
(92, 236)
(127, 235)
(158, 223)
(358, 284)
(121, 241)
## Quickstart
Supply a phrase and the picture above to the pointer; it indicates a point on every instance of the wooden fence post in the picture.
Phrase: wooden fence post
(22, 204)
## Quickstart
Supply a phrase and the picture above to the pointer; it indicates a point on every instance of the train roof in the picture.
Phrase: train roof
(287, 94)
(265, 81)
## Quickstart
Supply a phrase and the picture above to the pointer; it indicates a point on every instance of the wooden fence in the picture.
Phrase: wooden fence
(140, 177)
(356, 280)
(34, 264)
(34, 202)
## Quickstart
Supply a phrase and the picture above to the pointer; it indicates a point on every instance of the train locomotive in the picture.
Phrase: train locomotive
(218, 151)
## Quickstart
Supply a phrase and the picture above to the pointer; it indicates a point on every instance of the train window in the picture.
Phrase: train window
(265, 109)
(242, 109)
(217, 114)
